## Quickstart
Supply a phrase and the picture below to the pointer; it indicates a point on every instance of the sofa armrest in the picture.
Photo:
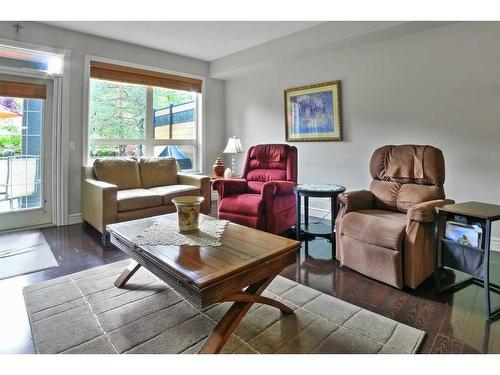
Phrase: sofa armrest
(356, 200)
(226, 187)
(100, 185)
(425, 212)
(274, 188)
(99, 204)
(203, 183)
(197, 180)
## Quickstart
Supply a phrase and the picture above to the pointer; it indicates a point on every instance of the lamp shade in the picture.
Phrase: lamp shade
(233, 146)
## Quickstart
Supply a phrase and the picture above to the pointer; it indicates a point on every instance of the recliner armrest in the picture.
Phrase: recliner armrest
(226, 187)
(425, 212)
(273, 188)
(356, 200)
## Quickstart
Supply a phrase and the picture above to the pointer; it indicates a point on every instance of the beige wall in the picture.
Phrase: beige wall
(439, 87)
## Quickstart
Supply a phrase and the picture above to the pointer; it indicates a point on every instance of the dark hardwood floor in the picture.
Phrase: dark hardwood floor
(453, 323)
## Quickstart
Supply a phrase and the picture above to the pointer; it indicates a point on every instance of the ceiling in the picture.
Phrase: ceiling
(204, 40)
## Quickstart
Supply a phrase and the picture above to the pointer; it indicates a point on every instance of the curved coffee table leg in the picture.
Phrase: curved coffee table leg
(272, 302)
(252, 298)
(127, 274)
(244, 300)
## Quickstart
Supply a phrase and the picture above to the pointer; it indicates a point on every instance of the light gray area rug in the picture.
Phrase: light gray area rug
(86, 313)
(22, 253)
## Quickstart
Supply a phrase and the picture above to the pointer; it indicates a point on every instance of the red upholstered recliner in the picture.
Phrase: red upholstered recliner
(263, 197)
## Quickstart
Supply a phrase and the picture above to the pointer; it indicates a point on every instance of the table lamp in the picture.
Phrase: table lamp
(233, 147)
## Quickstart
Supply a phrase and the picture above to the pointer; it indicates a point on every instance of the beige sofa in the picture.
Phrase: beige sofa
(121, 189)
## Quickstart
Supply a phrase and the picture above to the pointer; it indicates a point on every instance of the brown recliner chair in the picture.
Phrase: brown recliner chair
(387, 233)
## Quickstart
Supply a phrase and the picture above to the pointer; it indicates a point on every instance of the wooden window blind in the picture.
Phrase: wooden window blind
(22, 90)
(112, 72)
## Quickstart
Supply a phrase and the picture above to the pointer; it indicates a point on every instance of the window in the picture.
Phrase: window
(28, 59)
(133, 112)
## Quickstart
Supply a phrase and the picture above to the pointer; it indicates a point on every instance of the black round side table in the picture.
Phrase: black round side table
(317, 229)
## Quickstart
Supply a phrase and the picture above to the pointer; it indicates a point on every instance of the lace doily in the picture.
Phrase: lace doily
(166, 232)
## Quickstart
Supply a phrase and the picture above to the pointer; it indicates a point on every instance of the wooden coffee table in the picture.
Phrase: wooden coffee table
(204, 275)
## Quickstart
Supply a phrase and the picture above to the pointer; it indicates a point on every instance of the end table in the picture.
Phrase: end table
(471, 260)
(317, 191)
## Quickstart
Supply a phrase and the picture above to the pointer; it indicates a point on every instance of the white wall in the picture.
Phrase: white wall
(81, 44)
(439, 87)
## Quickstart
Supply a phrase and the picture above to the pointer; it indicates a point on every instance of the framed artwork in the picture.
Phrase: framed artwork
(313, 113)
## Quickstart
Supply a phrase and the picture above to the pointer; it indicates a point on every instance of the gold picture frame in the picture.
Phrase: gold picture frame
(313, 113)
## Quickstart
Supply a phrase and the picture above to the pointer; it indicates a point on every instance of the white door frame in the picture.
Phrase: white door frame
(60, 136)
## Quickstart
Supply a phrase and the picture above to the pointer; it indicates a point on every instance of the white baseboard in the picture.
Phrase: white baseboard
(74, 219)
(495, 243)
(320, 212)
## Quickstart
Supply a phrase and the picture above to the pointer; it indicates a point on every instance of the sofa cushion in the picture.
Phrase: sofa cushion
(122, 172)
(172, 191)
(136, 199)
(158, 172)
(381, 228)
(242, 204)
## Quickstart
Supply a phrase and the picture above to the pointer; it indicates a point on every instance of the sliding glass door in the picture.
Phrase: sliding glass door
(25, 153)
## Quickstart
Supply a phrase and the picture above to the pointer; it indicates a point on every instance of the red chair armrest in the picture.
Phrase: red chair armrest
(230, 186)
(273, 188)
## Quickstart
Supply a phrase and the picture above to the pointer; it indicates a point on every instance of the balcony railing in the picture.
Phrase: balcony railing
(174, 114)
(19, 177)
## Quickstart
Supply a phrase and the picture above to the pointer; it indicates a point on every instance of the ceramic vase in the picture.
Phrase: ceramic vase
(188, 212)
(218, 168)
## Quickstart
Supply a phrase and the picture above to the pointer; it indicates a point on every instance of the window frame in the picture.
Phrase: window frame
(149, 141)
